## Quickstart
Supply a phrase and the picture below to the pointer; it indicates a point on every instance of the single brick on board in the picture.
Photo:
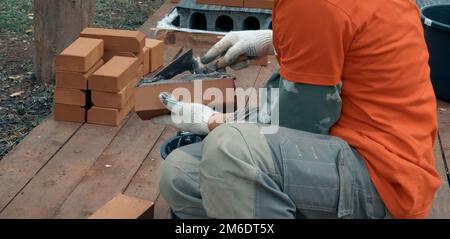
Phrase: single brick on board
(75, 80)
(149, 106)
(146, 63)
(115, 74)
(114, 100)
(69, 113)
(109, 116)
(71, 96)
(117, 40)
(80, 56)
(156, 53)
(125, 207)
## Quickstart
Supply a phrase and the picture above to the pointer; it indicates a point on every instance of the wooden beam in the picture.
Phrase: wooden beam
(50, 187)
(113, 170)
(31, 155)
(56, 24)
(149, 26)
(145, 183)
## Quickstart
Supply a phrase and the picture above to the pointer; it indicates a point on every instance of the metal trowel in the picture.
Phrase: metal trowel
(184, 62)
(187, 62)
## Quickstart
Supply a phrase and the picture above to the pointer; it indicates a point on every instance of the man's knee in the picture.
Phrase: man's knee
(233, 157)
(178, 177)
(222, 139)
(170, 176)
(224, 142)
(234, 149)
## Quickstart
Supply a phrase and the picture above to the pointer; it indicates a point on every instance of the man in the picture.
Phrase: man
(355, 75)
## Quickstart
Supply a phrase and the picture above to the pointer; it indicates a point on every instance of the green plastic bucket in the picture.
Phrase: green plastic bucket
(436, 22)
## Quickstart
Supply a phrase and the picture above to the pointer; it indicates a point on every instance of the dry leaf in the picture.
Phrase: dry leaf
(443, 110)
(15, 94)
(14, 77)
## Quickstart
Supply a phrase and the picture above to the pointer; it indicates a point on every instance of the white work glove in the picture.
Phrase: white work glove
(190, 117)
(249, 43)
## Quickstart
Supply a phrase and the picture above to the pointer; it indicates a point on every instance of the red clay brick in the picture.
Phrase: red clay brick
(146, 66)
(117, 40)
(109, 116)
(80, 56)
(125, 207)
(258, 4)
(114, 100)
(261, 61)
(148, 104)
(75, 80)
(141, 70)
(69, 113)
(114, 75)
(70, 96)
(110, 54)
(156, 53)
(229, 3)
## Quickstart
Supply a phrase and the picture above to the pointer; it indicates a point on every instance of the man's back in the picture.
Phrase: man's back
(377, 49)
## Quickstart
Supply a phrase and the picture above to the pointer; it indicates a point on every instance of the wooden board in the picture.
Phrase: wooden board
(50, 187)
(113, 170)
(21, 164)
(145, 183)
(441, 204)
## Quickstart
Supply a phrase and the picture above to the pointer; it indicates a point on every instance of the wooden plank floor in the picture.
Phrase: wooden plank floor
(60, 170)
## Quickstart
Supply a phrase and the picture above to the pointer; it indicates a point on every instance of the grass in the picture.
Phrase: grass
(123, 14)
(16, 15)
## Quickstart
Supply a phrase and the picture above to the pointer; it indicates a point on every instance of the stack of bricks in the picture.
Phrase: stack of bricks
(73, 67)
(240, 3)
(97, 74)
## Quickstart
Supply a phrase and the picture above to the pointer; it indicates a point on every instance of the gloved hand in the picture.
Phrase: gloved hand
(190, 117)
(249, 43)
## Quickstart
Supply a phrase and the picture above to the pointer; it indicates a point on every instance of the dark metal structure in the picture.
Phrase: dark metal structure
(221, 18)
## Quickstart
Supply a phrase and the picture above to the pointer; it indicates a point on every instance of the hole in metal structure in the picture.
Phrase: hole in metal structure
(198, 21)
(270, 26)
(224, 24)
(251, 23)
(176, 21)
